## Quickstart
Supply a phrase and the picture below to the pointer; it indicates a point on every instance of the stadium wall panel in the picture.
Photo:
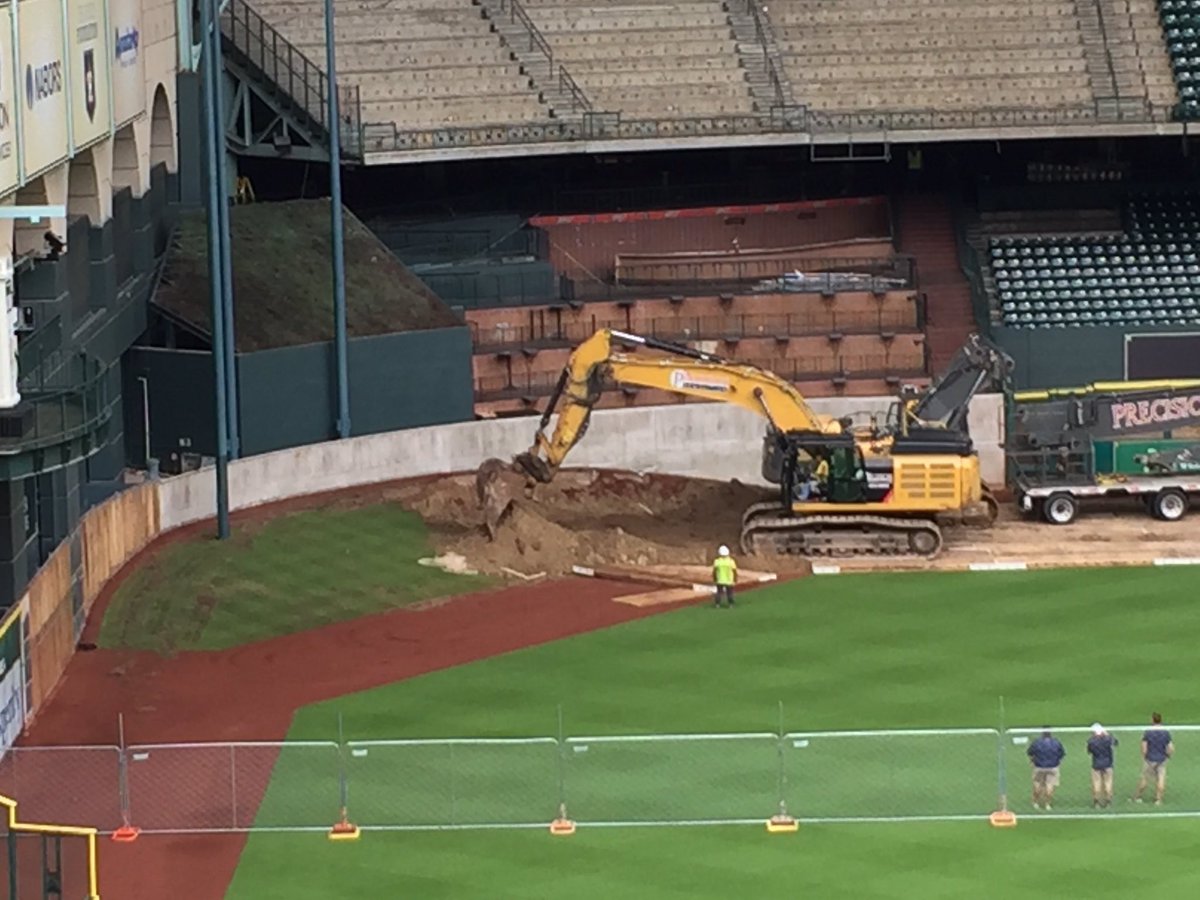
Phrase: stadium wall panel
(1064, 357)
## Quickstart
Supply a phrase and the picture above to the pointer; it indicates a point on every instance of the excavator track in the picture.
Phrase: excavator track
(766, 531)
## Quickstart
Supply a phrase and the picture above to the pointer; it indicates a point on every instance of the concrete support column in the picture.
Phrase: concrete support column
(102, 266)
(59, 505)
(190, 171)
(141, 240)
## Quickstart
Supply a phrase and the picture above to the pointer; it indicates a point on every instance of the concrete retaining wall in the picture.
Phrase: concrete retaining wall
(698, 440)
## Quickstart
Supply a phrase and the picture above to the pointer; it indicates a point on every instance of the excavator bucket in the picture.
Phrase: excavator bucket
(495, 489)
(535, 468)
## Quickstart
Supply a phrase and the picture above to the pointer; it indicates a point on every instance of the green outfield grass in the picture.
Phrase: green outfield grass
(844, 653)
(295, 572)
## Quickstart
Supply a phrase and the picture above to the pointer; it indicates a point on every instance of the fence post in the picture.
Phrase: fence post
(781, 822)
(1002, 817)
(126, 833)
(343, 829)
(562, 825)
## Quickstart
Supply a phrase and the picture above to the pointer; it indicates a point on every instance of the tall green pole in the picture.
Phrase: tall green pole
(339, 250)
(213, 128)
(231, 380)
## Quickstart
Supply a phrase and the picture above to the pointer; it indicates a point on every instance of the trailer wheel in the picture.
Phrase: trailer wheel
(1060, 509)
(1170, 505)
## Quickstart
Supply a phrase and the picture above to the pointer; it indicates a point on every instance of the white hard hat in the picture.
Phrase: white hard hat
(722, 550)
(1097, 728)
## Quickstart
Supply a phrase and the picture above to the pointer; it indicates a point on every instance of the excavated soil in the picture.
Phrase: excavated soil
(590, 517)
(587, 517)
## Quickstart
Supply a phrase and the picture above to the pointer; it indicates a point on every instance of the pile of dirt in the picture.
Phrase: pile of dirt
(585, 517)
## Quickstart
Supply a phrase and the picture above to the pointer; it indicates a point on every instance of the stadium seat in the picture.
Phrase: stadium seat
(417, 64)
(648, 58)
(1023, 61)
(1149, 275)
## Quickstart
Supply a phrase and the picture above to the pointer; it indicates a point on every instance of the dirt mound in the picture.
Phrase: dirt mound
(586, 517)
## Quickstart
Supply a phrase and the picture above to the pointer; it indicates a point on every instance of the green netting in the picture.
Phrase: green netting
(453, 782)
(892, 774)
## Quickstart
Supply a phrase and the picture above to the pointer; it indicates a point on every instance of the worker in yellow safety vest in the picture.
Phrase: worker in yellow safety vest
(724, 576)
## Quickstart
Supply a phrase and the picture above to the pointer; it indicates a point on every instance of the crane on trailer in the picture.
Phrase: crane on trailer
(884, 491)
(1055, 438)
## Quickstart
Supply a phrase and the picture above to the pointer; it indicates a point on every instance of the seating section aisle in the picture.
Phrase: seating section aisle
(417, 63)
(1148, 275)
(648, 58)
(936, 56)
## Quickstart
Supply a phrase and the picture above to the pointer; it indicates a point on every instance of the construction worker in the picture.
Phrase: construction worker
(724, 576)
(1045, 756)
(1100, 747)
(1157, 748)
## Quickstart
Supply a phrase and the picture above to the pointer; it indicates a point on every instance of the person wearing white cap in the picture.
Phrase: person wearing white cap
(724, 570)
(1100, 747)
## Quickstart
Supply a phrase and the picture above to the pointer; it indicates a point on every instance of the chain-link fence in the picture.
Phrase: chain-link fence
(602, 780)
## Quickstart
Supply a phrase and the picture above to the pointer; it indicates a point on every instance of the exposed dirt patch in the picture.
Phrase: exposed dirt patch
(586, 517)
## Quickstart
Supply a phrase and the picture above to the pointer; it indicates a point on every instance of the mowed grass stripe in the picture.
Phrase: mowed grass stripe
(293, 573)
(849, 652)
(1097, 860)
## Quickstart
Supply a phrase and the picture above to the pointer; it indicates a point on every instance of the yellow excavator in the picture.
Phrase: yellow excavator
(880, 490)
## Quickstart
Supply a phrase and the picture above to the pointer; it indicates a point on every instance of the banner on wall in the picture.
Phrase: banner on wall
(8, 96)
(43, 85)
(128, 69)
(12, 679)
(89, 66)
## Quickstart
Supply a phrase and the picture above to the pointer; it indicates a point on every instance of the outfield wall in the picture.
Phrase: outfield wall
(696, 440)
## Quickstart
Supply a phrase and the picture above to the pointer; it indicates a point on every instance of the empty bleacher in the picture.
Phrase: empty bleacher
(1147, 275)
(940, 56)
(417, 63)
(1181, 27)
(657, 59)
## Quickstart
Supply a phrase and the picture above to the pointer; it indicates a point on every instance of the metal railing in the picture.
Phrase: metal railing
(64, 395)
(683, 328)
(764, 33)
(260, 46)
(536, 43)
(903, 775)
(825, 367)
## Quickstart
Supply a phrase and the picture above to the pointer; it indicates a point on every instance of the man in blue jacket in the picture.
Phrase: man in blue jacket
(1045, 755)
(1100, 747)
(1157, 748)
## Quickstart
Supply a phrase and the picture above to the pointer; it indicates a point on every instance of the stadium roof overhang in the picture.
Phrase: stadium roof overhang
(773, 139)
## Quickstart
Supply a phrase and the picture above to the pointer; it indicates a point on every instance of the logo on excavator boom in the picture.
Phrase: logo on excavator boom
(682, 380)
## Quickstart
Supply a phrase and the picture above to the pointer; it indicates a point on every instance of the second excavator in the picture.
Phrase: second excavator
(843, 491)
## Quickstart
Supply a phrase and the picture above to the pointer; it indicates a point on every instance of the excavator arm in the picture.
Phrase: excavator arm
(684, 371)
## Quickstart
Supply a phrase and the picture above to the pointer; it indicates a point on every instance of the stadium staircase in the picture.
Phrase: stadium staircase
(551, 80)
(1117, 79)
(926, 232)
(758, 53)
(287, 80)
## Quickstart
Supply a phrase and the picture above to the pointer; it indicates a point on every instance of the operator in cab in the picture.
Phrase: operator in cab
(724, 570)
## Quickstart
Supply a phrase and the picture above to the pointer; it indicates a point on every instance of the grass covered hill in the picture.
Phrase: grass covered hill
(283, 276)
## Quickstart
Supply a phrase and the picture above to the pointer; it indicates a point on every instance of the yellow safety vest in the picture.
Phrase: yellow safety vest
(724, 570)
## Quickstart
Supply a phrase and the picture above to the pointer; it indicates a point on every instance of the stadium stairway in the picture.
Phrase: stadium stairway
(926, 232)
(760, 59)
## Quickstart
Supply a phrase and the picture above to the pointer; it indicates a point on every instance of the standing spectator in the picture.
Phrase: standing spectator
(1101, 746)
(1045, 756)
(1157, 748)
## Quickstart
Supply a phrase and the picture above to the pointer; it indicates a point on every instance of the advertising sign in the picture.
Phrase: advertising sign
(8, 96)
(43, 85)
(1167, 457)
(12, 680)
(128, 68)
(88, 67)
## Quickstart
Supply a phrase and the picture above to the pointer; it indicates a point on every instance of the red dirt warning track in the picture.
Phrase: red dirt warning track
(251, 692)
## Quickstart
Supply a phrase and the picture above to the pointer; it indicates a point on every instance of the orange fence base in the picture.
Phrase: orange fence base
(1002, 818)
(562, 827)
(782, 825)
(126, 834)
(344, 831)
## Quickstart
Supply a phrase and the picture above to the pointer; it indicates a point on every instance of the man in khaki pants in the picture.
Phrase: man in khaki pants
(1157, 748)
(1100, 747)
